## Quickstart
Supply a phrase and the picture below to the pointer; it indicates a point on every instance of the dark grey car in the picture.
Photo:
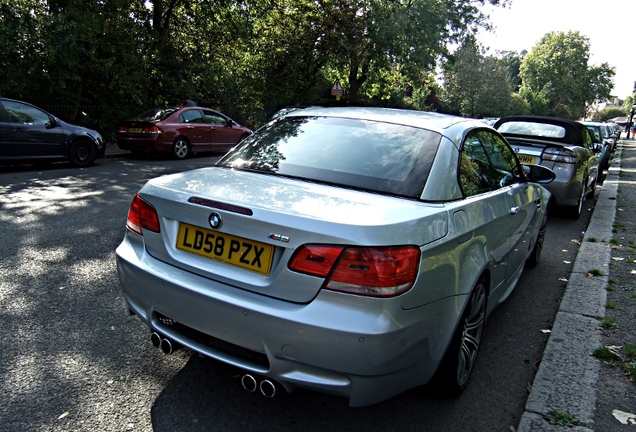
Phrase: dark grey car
(30, 134)
(564, 146)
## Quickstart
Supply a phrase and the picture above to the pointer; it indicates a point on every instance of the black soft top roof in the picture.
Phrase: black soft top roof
(573, 129)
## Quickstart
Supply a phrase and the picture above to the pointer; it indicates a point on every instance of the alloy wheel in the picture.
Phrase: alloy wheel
(473, 327)
(181, 149)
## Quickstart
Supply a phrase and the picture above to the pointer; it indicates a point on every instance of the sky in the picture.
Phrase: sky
(610, 26)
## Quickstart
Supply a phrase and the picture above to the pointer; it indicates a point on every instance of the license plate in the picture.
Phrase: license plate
(236, 251)
(526, 159)
(135, 130)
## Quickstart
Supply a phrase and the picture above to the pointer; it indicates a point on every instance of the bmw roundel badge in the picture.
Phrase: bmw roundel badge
(215, 220)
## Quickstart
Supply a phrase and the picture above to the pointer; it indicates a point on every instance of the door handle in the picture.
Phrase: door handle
(514, 210)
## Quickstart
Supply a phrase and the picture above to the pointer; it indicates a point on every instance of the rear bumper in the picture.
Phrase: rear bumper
(348, 346)
(566, 188)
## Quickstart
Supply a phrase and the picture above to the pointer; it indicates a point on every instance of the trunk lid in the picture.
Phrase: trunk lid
(275, 214)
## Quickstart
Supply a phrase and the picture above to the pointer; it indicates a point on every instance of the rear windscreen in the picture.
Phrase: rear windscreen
(535, 129)
(361, 154)
(156, 114)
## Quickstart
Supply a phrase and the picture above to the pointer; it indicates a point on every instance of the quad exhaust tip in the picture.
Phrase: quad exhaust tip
(266, 387)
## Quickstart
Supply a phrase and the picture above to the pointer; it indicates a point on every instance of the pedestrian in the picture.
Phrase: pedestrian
(189, 102)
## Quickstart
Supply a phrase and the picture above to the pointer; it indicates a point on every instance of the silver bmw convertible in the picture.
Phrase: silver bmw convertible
(352, 251)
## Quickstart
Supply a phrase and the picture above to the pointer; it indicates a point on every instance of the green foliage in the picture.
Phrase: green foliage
(478, 85)
(518, 105)
(562, 418)
(608, 113)
(557, 79)
(608, 323)
(605, 354)
(97, 62)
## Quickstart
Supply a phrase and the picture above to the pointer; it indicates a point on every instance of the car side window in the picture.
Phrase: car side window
(486, 161)
(595, 132)
(25, 114)
(213, 118)
(469, 178)
(191, 116)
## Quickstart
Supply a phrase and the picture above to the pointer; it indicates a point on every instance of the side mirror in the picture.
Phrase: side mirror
(52, 123)
(538, 174)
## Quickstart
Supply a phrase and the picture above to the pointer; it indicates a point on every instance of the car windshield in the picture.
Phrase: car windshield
(155, 114)
(360, 154)
(531, 128)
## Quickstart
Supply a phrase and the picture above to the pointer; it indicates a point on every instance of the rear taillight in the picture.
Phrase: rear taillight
(122, 129)
(142, 215)
(151, 130)
(367, 271)
(558, 155)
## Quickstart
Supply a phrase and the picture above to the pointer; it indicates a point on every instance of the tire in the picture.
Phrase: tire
(82, 154)
(592, 191)
(181, 148)
(535, 255)
(457, 365)
(574, 212)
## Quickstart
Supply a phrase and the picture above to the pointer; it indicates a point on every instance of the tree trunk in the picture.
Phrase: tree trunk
(355, 81)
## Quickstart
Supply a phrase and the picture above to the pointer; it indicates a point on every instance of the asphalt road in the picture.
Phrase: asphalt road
(72, 359)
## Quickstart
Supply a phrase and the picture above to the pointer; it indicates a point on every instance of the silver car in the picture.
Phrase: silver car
(351, 251)
(602, 136)
(564, 146)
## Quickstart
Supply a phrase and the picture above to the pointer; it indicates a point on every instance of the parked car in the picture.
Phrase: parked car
(602, 135)
(615, 134)
(180, 131)
(564, 146)
(30, 134)
(351, 251)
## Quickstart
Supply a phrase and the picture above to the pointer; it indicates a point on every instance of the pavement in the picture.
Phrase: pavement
(568, 375)
(576, 331)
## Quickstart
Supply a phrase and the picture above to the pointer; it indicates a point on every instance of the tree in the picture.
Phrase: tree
(512, 61)
(112, 59)
(608, 113)
(477, 85)
(557, 79)
(367, 35)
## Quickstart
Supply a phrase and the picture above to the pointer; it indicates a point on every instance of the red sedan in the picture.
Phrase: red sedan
(181, 131)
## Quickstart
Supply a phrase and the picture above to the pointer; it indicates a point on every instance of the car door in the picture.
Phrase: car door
(486, 206)
(223, 134)
(194, 127)
(512, 205)
(35, 132)
(6, 134)
(589, 158)
(523, 199)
